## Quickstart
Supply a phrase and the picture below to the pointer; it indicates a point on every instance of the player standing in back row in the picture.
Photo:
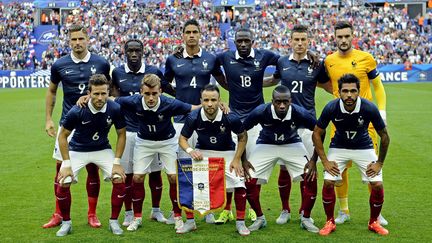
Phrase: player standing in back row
(73, 72)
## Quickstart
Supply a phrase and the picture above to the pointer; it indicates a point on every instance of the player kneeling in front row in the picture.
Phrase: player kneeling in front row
(215, 140)
(279, 141)
(89, 144)
(155, 138)
(351, 116)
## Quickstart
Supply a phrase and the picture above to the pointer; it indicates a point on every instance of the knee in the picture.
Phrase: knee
(377, 185)
(172, 179)
(328, 183)
(138, 178)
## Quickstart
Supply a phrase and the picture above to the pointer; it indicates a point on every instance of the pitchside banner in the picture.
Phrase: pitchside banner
(389, 73)
(201, 184)
(24, 79)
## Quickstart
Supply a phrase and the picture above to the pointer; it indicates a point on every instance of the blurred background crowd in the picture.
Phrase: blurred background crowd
(386, 32)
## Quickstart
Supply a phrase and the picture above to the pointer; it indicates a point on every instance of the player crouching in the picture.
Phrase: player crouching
(215, 140)
(89, 144)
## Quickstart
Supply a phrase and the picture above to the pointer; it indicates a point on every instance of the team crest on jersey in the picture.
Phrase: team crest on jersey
(293, 126)
(160, 117)
(93, 69)
(360, 121)
(222, 129)
(310, 70)
(109, 121)
(205, 64)
(354, 64)
(257, 65)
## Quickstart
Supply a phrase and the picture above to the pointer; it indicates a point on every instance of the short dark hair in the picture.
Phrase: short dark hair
(97, 80)
(133, 40)
(348, 78)
(298, 28)
(76, 28)
(210, 87)
(191, 22)
(281, 89)
(343, 25)
(244, 29)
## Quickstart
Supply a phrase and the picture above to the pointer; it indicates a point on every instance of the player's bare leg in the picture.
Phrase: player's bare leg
(93, 188)
(56, 218)
(138, 195)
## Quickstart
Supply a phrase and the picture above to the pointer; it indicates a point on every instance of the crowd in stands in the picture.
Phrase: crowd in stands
(386, 32)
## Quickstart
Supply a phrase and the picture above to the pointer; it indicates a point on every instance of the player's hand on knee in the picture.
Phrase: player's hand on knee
(331, 167)
(118, 174)
(65, 176)
(247, 166)
(82, 101)
(196, 155)
(224, 107)
(237, 167)
(373, 169)
(49, 128)
(310, 170)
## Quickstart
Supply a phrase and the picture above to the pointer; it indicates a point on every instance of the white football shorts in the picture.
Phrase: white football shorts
(361, 157)
(146, 150)
(265, 156)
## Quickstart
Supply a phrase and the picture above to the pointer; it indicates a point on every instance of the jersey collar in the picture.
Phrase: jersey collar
(251, 54)
(218, 117)
(93, 109)
(286, 118)
(154, 109)
(141, 70)
(85, 59)
(356, 109)
(291, 57)
(186, 55)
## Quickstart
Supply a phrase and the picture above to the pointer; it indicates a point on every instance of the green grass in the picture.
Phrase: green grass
(27, 173)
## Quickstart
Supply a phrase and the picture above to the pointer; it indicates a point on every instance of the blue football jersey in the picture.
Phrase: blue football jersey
(245, 78)
(301, 79)
(75, 76)
(128, 84)
(91, 129)
(191, 74)
(276, 130)
(155, 123)
(351, 128)
(213, 135)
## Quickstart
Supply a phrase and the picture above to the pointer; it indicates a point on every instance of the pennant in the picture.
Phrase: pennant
(201, 184)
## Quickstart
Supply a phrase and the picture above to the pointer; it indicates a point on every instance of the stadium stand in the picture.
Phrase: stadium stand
(386, 32)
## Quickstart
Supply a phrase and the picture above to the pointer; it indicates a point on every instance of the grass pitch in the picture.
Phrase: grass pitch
(27, 172)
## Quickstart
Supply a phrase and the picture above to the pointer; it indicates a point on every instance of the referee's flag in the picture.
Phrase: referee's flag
(201, 184)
